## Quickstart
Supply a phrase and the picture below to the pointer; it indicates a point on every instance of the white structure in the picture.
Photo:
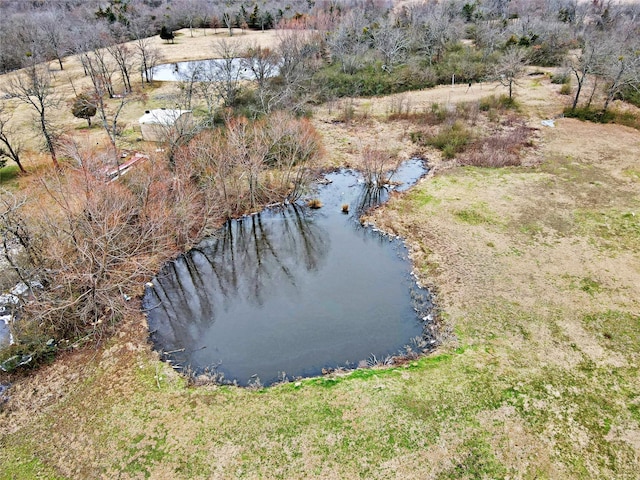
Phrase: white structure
(156, 124)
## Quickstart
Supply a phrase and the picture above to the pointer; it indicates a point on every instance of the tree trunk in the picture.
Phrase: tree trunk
(593, 92)
(49, 142)
(580, 82)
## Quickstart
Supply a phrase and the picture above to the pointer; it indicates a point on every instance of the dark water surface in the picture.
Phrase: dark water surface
(290, 291)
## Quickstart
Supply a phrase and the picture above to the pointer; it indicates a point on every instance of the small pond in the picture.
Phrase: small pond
(292, 291)
(206, 70)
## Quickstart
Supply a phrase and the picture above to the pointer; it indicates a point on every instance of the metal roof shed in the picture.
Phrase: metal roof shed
(157, 124)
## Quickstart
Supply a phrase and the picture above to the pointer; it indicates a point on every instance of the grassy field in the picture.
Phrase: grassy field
(536, 271)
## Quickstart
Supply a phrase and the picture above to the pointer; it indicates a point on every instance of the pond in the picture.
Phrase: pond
(208, 70)
(291, 291)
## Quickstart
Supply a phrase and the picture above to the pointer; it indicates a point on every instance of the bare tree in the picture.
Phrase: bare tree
(188, 80)
(10, 146)
(225, 71)
(55, 31)
(102, 89)
(392, 44)
(227, 19)
(32, 86)
(589, 62)
(264, 64)
(15, 231)
(298, 50)
(347, 42)
(510, 68)
(621, 72)
(435, 25)
(123, 56)
(99, 65)
(148, 55)
(189, 12)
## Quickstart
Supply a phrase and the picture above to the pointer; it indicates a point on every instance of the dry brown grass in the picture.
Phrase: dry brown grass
(72, 78)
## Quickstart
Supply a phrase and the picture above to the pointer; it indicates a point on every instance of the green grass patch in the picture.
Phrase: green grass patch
(611, 229)
(632, 173)
(585, 284)
(476, 460)
(531, 229)
(9, 175)
(590, 286)
(420, 199)
(20, 463)
(616, 330)
(477, 214)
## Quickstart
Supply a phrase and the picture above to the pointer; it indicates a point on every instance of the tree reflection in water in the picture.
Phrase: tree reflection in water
(290, 290)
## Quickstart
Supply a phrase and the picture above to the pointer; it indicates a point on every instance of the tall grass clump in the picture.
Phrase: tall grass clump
(498, 150)
(451, 139)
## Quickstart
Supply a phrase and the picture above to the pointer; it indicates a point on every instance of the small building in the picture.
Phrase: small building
(157, 124)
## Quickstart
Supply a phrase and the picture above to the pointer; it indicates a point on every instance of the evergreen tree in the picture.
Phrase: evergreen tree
(84, 107)
(166, 34)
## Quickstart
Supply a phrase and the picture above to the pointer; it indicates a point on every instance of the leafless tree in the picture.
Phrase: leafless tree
(227, 19)
(347, 43)
(99, 65)
(16, 232)
(124, 57)
(298, 52)
(510, 68)
(108, 114)
(225, 71)
(188, 12)
(187, 83)
(588, 62)
(264, 64)
(32, 86)
(148, 55)
(392, 44)
(435, 25)
(10, 145)
(54, 29)
(621, 72)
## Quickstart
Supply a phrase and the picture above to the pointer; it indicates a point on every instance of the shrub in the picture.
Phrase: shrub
(565, 89)
(369, 80)
(589, 114)
(609, 116)
(497, 103)
(631, 95)
(560, 78)
(498, 150)
(450, 140)
(95, 243)
(84, 107)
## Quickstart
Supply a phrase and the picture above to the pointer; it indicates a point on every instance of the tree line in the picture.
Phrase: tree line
(54, 29)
